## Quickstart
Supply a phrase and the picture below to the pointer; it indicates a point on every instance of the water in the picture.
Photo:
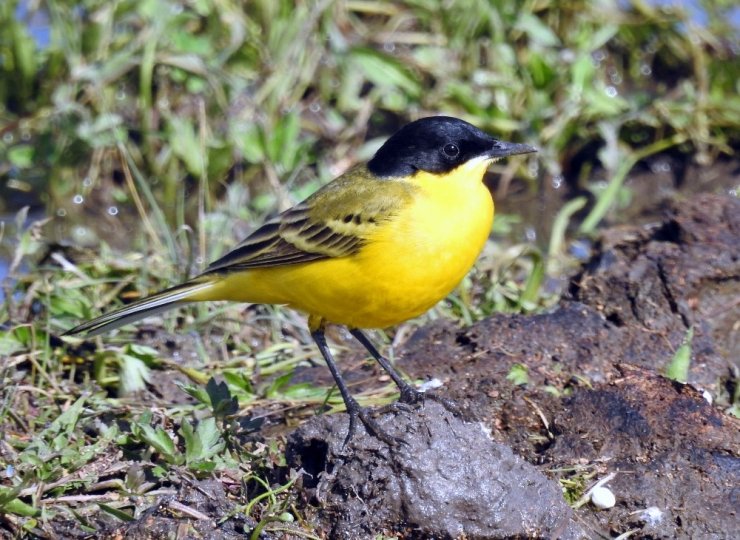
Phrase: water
(4, 267)
(37, 22)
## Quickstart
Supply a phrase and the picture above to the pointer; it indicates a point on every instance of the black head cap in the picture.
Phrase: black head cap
(437, 144)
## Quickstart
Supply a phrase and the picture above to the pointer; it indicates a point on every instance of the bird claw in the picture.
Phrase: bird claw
(411, 396)
(450, 406)
(371, 426)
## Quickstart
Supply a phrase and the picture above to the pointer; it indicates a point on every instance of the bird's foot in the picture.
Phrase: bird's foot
(411, 396)
(450, 406)
(356, 412)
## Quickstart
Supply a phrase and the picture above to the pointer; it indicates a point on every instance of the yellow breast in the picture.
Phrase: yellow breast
(405, 267)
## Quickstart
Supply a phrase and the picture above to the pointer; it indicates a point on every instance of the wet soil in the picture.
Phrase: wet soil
(195, 511)
(594, 403)
(445, 478)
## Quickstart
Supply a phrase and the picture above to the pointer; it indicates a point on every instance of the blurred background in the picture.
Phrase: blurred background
(160, 124)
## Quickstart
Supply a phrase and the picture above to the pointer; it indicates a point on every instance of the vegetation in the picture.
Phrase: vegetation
(145, 137)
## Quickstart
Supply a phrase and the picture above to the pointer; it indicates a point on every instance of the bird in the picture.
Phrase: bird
(376, 246)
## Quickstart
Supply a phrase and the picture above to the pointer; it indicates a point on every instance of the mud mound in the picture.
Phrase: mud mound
(658, 281)
(594, 398)
(670, 449)
(447, 479)
(591, 402)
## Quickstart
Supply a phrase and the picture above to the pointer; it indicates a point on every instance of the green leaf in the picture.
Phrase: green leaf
(560, 225)
(19, 508)
(540, 69)
(582, 74)
(186, 145)
(599, 104)
(195, 391)
(67, 305)
(105, 130)
(518, 375)
(67, 421)
(8, 494)
(160, 441)
(25, 50)
(115, 512)
(135, 363)
(210, 438)
(157, 439)
(303, 391)
(678, 369)
(9, 344)
(385, 71)
(220, 158)
(202, 444)
(185, 41)
(599, 38)
(203, 466)
(222, 402)
(239, 380)
(134, 374)
(193, 447)
(147, 354)
(249, 140)
(283, 143)
(464, 94)
(276, 388)
(537, 31)
(529, 296)
(22, 156)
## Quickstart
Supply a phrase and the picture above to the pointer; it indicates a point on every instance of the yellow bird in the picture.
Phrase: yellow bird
(379, 245)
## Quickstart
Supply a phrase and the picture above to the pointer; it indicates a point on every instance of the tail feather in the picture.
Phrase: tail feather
(146, 307)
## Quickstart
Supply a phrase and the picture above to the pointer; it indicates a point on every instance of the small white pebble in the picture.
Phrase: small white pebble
(603, 497)
(430, 385)
(652, 515)
(706, 395)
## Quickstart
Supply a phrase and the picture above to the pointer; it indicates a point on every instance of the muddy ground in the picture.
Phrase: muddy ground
(594, 405)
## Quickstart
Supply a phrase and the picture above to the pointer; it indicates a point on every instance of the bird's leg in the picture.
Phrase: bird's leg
(354, 409)
(409, 394)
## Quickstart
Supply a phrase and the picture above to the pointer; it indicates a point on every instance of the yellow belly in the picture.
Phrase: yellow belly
(410, 264)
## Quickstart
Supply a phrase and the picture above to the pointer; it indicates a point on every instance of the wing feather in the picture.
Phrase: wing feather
(334, 222)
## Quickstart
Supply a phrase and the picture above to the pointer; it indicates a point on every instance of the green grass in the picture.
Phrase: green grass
(149, 136)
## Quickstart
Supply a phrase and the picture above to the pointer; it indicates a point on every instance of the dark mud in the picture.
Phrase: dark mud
(195, 511)
(594, 404)
(446, 478)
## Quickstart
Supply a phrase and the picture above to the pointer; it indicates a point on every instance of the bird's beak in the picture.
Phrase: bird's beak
(502, 149)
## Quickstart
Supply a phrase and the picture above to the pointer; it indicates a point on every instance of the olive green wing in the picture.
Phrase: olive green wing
(290, 238)
(334, 222)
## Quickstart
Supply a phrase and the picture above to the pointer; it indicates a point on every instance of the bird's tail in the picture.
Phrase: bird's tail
(146, 307)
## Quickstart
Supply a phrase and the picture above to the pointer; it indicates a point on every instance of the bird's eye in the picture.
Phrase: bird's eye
(451, 150)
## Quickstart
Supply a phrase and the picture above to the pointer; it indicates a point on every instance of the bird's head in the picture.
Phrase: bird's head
(438, 145)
